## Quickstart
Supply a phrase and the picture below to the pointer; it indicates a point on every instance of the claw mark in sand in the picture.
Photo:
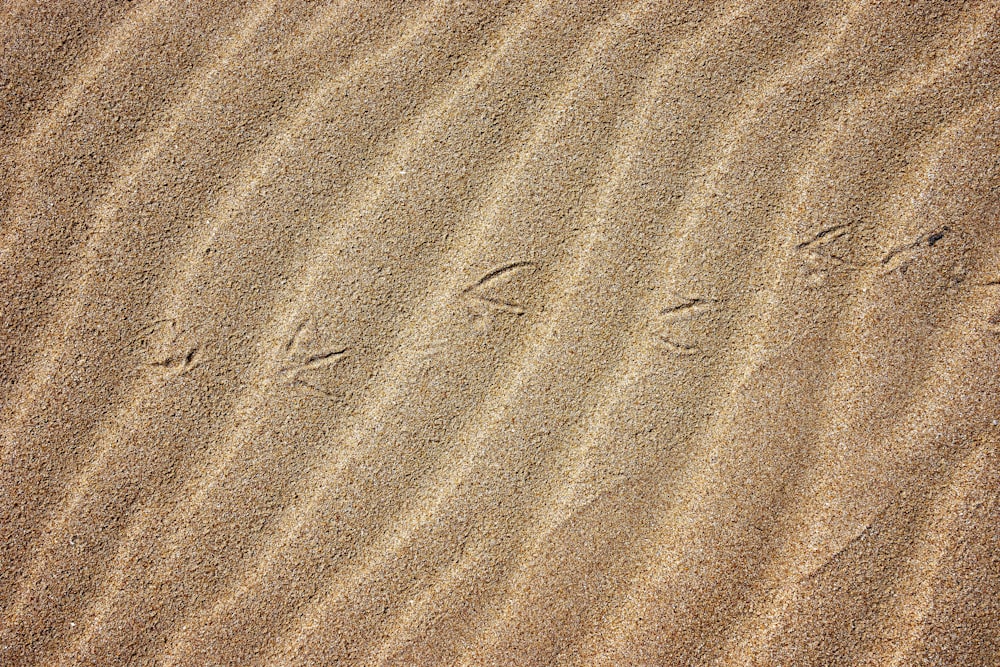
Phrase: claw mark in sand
(160, 329)
(900, 256)
(477, 291)
(430, 350)
(993, 321)
(824, 237)
(820, 253)
(294, 339)
(178, 364)
(160, 342)
(677, 348)
(301, 361)
(832, 559)
(688, 308)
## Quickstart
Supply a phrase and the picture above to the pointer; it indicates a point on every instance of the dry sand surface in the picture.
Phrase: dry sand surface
(499, 333)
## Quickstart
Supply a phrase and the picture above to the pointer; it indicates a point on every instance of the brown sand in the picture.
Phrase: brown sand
(499, 333)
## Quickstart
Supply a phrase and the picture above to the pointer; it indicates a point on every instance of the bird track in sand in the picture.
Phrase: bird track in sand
(302, 359)
(820, 253)
(477, 294)
(992, 321)
(688, 308)
(176, 364)
(160, 342)
(900, 256)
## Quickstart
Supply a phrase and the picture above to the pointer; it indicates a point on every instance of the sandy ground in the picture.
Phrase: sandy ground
(499, 333)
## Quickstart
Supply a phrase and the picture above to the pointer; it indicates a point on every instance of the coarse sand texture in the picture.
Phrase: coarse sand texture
(499, 333)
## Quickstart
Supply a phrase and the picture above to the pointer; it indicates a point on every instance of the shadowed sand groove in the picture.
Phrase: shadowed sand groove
(525, 333)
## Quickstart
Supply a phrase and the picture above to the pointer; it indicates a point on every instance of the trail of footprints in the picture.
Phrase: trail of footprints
(306, 361)
(825, 251)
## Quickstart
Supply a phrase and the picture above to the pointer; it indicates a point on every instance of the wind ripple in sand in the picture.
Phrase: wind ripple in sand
(499, 333)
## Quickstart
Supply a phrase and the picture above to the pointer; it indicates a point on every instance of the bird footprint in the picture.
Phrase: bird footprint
(305, 360)
(992, 321)
(672, 336)
(821, 255)
(900, 257)
(486, 294)
(169, 356)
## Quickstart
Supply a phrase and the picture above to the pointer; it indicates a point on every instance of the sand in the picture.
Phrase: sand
(499, 333)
